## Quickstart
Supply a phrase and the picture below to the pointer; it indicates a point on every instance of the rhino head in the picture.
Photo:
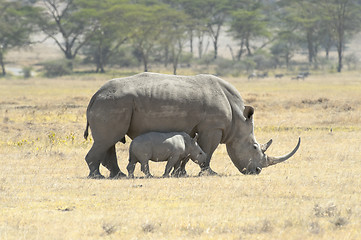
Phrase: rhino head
(248, 155)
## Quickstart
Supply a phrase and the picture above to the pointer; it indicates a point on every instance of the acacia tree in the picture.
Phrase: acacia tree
(248, 23)
(216, 15)
(16, 26)
(114, 27)
(148, 29)
(197, 21)
(304, 19)
(344, 18)
(304, 15)
(284, 47)
(174, 34)
(69, 23)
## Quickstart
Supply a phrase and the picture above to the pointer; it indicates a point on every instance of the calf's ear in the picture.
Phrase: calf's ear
(248, 112)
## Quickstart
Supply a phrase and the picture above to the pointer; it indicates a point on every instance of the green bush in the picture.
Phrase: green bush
(224, 67)
(27, 72)
(58, 68)
(123, 58)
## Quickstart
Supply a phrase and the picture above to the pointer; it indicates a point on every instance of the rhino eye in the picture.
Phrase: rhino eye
(255, 146)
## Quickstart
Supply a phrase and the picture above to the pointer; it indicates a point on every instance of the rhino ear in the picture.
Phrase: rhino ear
(195, 137)
(248, 112)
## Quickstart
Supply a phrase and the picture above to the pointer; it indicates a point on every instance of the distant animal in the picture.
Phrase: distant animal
(299, 76)
(173, 147)
(279, 76)
(252, 75)
(263, 75)
(152, 102)
(305, 74)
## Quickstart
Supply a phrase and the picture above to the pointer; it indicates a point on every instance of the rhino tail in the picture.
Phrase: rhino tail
(86, 132)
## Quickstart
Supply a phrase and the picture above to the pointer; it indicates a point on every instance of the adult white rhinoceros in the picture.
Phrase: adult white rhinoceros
(151, 102)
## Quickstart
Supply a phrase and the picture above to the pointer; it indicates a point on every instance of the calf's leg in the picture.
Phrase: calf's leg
(179, 168)
(130, 168)
(172, 161)
(145, 168)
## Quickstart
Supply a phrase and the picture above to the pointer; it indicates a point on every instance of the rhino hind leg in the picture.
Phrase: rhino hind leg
(111, 163)
(93, 159)
(145, 169)
(131, 165)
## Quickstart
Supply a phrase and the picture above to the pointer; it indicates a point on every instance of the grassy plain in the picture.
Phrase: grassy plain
(44, 192)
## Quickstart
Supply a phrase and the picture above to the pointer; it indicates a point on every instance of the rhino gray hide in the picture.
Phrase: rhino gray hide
(173, 147)
(151, 102)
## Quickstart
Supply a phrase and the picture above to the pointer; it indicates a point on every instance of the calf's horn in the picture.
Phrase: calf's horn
(275, 160)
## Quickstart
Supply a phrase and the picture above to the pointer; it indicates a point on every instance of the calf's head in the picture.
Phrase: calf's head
(248, 155)
(195, 151)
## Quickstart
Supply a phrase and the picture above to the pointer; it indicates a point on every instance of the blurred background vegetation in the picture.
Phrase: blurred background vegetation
(223, 37)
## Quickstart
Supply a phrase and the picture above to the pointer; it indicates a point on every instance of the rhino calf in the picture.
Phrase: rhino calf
(174, 147)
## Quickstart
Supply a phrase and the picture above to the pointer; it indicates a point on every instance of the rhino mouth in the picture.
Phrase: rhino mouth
(256, 171)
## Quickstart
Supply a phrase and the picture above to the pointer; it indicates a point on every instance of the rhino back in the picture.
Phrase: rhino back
(166, 103)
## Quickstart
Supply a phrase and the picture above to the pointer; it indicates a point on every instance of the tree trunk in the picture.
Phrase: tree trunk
(339, 52)
(231, 51)
(310, 47)
(240, 52)
(175, 65)
(248, 47)
(215, 45)
(191, 41)
(145, 62)
(340, 46)
(200, 46)
(2, 64)
(287, 59)
(327, 50)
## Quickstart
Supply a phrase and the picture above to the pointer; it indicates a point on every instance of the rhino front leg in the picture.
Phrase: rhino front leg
(209, 141)
(179, 168)
(172, 161)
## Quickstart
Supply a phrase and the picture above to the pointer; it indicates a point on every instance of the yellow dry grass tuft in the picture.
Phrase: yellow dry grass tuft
(44, 193)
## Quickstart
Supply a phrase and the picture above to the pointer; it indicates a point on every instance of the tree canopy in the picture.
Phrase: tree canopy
(162, 31)
(16, 26)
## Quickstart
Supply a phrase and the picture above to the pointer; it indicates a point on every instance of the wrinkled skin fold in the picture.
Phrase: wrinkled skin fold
(151, 102)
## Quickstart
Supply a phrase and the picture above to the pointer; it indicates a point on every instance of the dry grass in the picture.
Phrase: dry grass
(44, 193)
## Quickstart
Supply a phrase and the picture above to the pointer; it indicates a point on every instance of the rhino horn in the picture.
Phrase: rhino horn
(275, 160)
(264, 147)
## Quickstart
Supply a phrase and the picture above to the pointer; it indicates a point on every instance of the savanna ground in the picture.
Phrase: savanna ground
(44, 192)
